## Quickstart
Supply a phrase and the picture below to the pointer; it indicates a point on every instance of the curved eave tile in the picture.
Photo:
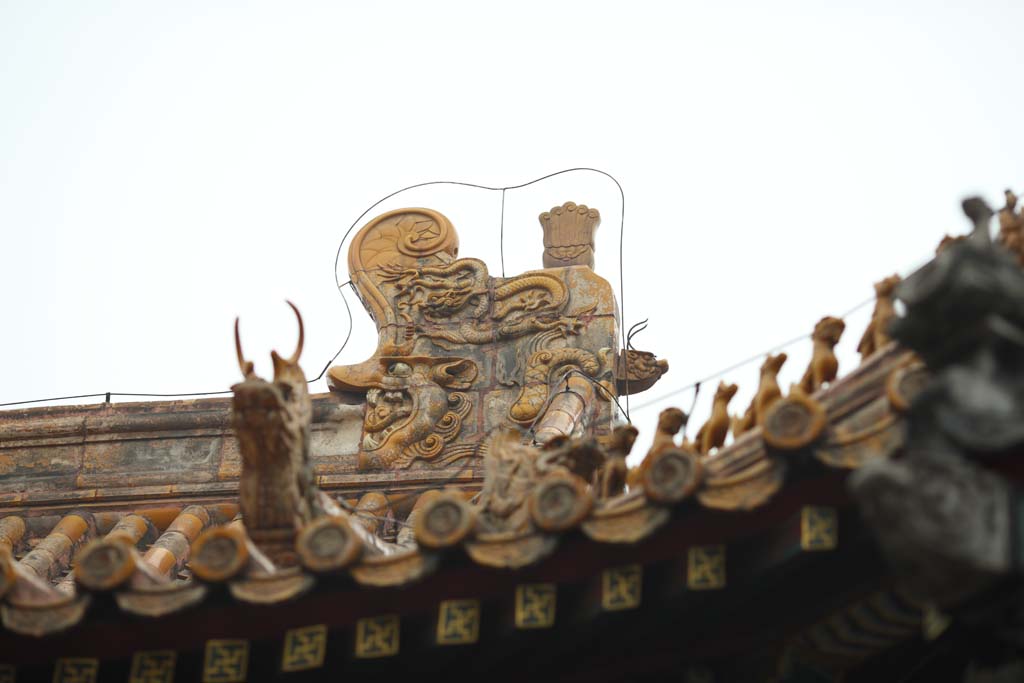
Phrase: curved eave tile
(750, 487)
(510, 550)
(271, 588)
(162, 600)
(45, 619)
(628, 522)
(872, 433)
(394, 570)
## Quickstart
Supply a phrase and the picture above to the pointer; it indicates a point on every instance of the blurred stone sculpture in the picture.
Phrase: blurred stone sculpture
(942, 513)
(670, 421)
(277, 492)
(611, 478)
(824, 365)
(713, 432)
(1011, 227)
(877, 333)
(768, 392)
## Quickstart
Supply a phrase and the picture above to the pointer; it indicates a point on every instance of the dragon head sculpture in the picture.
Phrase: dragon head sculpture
(277, 493)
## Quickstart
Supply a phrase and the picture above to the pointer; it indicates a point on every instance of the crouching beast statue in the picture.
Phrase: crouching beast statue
(277, 491)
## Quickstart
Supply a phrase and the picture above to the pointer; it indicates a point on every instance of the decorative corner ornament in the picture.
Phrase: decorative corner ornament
(76, 670)
(461, 353)
(458, 622)
(154, 666)
(304, 648)
(819, 528)
(622, 587)
(536, 605)
(569, 235)
(377, 636)
(705, 567)
(226, 661)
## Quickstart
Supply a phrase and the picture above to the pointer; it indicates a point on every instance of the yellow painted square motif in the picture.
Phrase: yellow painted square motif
(304, 648)
(535, 605)
(377, 636)
(621, 588)
(7, 673)
(76, 670)
(155, 666)
(458, 622)
(819, 528)
(705, 567)
(226, 661)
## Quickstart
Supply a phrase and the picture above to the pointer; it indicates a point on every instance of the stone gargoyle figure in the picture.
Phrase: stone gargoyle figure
(277, 491)
(413, 408)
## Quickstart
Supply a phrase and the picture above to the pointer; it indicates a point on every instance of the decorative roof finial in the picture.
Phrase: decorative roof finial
(569, 235)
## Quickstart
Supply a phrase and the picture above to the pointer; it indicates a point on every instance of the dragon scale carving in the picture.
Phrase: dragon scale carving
(539, 371)
(435, 294)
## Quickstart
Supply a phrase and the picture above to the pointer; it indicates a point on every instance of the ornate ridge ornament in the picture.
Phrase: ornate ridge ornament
(277, 492)
(569, 235)
(462, 354)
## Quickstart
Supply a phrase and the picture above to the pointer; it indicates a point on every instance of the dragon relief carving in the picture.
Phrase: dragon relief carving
(543, 367)
(411, 414)
(504, 341)
(432, 298)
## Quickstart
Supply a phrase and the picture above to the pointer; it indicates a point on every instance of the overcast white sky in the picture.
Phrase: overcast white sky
(166, 166)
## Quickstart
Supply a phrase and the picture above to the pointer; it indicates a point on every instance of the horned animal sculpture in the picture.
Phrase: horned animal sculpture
(1011, 227)
(877, 333)
(614, 472)
(670, 421)
(824, 365)
(768, 392)
(713, 432)
(277, 494)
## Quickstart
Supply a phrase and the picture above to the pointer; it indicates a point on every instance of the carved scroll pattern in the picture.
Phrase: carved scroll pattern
(461, 292)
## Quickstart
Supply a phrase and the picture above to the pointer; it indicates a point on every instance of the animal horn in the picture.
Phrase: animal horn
(298, 349)
(245, 366)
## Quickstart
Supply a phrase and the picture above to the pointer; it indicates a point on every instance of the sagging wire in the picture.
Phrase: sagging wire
(745, 361)
(107, 395)
(348, 335)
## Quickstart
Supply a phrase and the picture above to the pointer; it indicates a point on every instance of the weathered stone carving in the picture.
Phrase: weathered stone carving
(637, 371)
(569, 235)
(768, 392)
(824, 366)
(713, 432)
(541, 369)
(877, 333)
(944, 523)
(944, 520)
(670, 421)
(1011, 227)
(514, 472)
(505, 344)
(411, 412)
(277, 492)
(611, 478)
(431, 298)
